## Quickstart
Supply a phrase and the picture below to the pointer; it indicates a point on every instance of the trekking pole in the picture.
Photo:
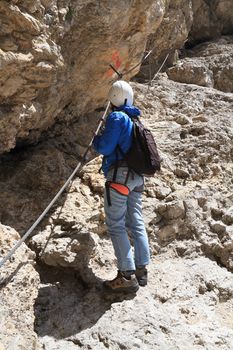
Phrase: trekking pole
(84, 158)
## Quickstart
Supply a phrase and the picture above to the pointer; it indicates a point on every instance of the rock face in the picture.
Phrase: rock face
(18, 290)
(188, 305)
(170, 36)
(48, 50)
(208, 64)
(188, 213)
(55, 55)
(55, 58)
(186, 22)
(211, 20)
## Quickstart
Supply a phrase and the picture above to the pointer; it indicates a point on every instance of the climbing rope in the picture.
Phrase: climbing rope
(120, 75)
(138, 64)
(158, 71)
(160, 68)
(84, 159)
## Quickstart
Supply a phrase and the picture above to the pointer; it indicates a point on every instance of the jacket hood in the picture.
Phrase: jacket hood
(132, 111)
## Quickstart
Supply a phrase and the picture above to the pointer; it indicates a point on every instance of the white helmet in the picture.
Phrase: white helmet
(121, 94)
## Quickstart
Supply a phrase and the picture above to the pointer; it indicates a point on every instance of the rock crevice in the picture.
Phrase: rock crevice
(54, 61)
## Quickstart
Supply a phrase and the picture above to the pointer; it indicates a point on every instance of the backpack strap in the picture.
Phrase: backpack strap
(107, 183)
(116, 164)
(130, 171)
(107, 187)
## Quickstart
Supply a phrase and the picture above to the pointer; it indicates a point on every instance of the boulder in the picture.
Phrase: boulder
(209, 64)
(19, 284)
(211, 19)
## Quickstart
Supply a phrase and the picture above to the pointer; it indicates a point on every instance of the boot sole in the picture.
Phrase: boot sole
(122, 290)
(142, 284)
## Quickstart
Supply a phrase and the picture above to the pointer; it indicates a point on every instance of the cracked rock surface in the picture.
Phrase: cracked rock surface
(188, 215)
(19, 284)
(59, 304)
(55, 58)
(208, 64)
(187, 305)
(55, 54)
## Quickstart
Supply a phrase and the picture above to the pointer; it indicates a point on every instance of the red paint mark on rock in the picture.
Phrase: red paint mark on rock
(115, 61)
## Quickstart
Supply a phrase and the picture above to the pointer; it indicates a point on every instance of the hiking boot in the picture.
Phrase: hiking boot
(141, 275)
(122, 283)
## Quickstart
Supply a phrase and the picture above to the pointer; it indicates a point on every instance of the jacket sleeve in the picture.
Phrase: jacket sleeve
(107, 142)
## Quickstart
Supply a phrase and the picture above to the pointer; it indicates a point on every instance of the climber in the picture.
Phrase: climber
(123, 192)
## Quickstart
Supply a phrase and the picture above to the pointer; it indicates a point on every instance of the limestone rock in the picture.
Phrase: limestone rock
(188, 214)
(50, 50)
(18, 290)
(227, 218)
(172, 210)
(193, 73)
(187, 23)
(210, 20)
(55, 58)
(169, 36)
(78, 235)
(212, 68)
(187, 303)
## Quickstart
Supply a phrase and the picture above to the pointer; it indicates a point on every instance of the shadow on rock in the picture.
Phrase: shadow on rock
(66, 304)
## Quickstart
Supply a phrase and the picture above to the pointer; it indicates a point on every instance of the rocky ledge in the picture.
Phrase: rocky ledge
(188, 213)
(48, 49)
(19, 284)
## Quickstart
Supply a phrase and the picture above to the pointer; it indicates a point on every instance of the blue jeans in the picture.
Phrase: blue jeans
(126, 212)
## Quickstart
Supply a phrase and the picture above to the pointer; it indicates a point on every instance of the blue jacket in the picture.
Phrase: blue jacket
(118, 131)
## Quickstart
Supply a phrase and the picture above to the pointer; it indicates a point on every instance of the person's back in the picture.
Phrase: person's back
(117, 133)
(122, 198)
